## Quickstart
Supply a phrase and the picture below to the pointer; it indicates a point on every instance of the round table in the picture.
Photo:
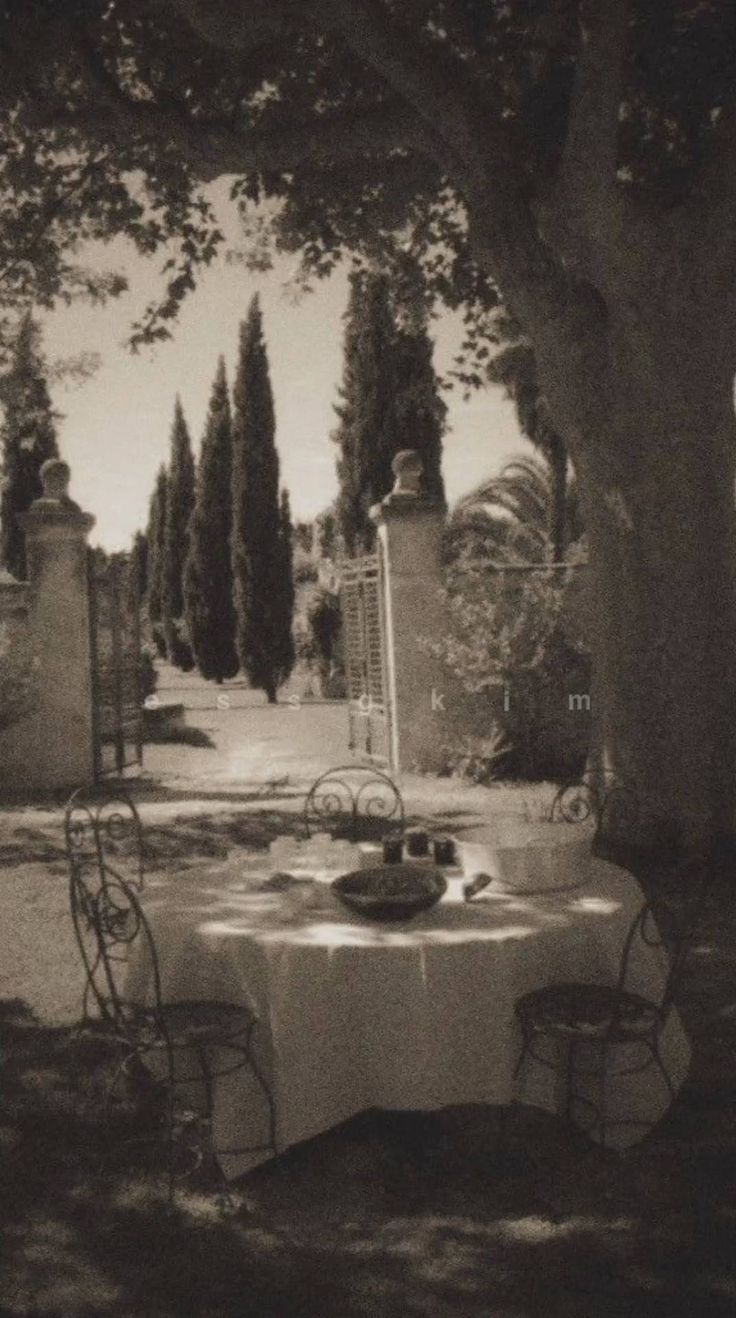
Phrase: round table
(356, 1015)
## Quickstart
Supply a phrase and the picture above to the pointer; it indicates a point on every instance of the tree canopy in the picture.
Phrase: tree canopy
(365, 120)
(156, 537)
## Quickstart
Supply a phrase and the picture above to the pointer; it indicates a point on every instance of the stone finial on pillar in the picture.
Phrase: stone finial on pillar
(407, 467)
(61, 748)
(55, 477)
(420, 688)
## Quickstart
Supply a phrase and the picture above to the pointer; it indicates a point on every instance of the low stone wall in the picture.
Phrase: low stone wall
(18, 676)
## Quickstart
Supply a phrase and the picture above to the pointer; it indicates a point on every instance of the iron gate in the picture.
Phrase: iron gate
(116, 657)
(362, 606)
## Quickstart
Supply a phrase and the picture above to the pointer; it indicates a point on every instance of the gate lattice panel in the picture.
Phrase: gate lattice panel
(362, 604)
(115, 634)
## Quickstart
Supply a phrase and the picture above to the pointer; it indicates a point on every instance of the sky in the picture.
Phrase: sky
(116, 426)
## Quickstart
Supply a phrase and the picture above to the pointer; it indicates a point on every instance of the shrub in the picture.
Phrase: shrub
(179, 650)
(304, 571)
(325, 627)
(481, 759)
(159, 640)
(518, 648)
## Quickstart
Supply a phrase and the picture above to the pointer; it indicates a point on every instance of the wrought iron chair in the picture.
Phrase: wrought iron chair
(356, 801)
(155, 1037)
(598, 1018)
(104, 841)
(611, 802)
(103, 827)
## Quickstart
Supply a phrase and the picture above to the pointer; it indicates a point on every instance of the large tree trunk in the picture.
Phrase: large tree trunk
(658, 489)
(557, 462)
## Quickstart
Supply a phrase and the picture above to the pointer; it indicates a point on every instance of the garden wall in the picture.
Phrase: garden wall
(17, 677)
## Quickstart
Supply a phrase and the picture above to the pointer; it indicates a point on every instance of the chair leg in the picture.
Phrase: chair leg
(570, 1079)
(603, 1110)
(170, 1143)
(526, 1042)
(120, 1071)
(654, 1050)
(263, 1084)
(207, 1082)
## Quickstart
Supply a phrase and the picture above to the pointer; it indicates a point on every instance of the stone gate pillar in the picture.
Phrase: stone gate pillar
(421, 690)
(59, 735)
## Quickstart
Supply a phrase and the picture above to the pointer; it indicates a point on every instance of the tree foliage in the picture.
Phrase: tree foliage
(389, 401)
(138, 567)
(179, 505)
(507, 518)
(208, 576)
(367, 433)
(516, 646)
(420, 411)
(155, 536)
(28, 436)
(256, 531)
(324, 620)
(367, 122)
(284, 651)
(327, 535)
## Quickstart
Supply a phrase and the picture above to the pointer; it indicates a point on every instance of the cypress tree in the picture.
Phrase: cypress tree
(28, 439)
(179, 505)
(367, 433)
(138, 566)
(284, 651)
(390, 401)
(421, 413)
(255, 546)
(208, 576)
(155, 537)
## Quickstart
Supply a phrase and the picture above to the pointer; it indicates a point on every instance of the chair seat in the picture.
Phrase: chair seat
(190, 1024)
(588, 1011)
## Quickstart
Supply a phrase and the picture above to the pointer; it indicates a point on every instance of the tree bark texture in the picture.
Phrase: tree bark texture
(656, 471)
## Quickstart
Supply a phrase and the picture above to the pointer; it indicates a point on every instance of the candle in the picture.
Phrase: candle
(417, 842)
(443, 849)
(393, 849)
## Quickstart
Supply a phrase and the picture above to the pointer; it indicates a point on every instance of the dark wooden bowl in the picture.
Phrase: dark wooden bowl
(391, 892)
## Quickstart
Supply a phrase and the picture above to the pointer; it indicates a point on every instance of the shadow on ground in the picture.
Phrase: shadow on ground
(389, 1215)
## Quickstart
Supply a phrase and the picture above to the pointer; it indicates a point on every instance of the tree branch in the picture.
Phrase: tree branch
(51, 211)
(215, 147)
(706, 220)
(479, 152)
(590, 155)
(232, 27)
(441, 95)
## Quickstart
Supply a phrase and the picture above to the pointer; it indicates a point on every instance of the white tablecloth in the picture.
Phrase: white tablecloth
(355, 1015)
